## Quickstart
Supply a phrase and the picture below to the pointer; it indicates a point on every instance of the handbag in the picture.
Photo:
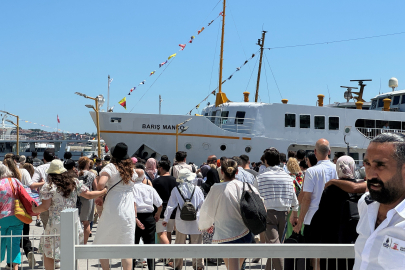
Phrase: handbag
(26, 200)
(110, 189)
(253, 212)
(19, 210)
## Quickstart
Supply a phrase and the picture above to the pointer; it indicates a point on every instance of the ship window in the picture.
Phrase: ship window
(396, 100)
(394, 124)
(305, 121)
(374, 104)
(115, 119)
(289, 120)
(319, 122)
(333, 123)
(248, 149)
(224, 117)
(380, 103)
(403, 99)
(213, 114)
(222, 147)
(240, 117)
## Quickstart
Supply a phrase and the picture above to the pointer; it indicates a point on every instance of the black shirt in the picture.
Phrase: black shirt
(163, 186)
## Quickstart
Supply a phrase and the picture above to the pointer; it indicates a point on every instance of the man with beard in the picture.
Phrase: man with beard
(381, 241)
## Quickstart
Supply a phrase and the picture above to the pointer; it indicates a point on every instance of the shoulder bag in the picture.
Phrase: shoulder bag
(19, 210)
(252, 209)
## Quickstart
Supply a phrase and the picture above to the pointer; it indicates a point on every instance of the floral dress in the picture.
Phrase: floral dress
(50, 245)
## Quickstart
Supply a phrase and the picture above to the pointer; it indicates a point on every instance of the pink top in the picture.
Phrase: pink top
(7, 197)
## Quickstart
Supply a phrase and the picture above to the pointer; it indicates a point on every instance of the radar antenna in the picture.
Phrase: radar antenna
(362, 85)
(348, 94)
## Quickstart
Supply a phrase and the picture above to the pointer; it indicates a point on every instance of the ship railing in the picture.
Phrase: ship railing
(370, 133)
(12, 137)
(294, 256)
(233, 124)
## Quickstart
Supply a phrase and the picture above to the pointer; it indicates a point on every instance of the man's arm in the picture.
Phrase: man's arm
(348, 186)
(306, 201)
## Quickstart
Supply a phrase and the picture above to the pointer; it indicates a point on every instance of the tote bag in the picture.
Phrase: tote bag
(19, 210)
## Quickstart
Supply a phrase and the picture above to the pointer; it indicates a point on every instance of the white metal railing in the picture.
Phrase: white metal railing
(370, 133)
(71, 251)
(233, 124)
(12, 137)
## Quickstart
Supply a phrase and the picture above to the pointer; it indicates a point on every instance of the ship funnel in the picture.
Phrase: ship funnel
(320, 100)
(387, 103)
(359, 105)
(285, 101)
(246, 96)
(393, 83)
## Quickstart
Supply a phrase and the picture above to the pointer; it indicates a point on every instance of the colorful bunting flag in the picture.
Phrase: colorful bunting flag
(143, 82)
(171, 56)
(191, 39)
(238, 68)
(199, 31)
(230, 77)
(198, 106)
(182, 46)
(161, 64)
(153, 72)
(123, 102)
(210, 22)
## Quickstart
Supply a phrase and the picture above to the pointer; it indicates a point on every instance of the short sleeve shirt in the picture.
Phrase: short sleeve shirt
(314, 182)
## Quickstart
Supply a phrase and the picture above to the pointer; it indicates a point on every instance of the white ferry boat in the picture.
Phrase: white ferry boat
(234, 128)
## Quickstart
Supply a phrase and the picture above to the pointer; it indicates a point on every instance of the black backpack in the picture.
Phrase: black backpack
(78, 201)
(252, 210)
(188, 211)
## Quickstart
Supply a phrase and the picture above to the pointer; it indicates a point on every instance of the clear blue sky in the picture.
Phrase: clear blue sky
(51, 49)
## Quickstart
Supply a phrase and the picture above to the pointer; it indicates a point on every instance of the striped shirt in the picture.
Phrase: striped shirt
(277, 189)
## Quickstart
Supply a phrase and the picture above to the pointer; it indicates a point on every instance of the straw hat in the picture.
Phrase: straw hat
(186, 174)
(56, 167)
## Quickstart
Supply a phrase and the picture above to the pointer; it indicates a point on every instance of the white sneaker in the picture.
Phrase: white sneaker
(31, 259)
(57, 264)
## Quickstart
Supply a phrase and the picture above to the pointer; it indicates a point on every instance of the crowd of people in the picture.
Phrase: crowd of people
(307, 197)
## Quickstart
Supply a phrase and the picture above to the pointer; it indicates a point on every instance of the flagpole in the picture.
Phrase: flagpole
(108, 95)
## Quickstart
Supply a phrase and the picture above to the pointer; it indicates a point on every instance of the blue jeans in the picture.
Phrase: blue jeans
(11, 226)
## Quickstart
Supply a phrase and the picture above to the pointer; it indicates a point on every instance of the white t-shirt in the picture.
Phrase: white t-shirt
(40, 173)
(145, 197)
(25, 177)
(314, 182)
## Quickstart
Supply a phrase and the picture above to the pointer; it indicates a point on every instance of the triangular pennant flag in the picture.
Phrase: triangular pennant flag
(182, 46)
(253, 55)
(171, 56)
(161, 64)
(238, 68)
(245, 62)
(199, 31)
(198, 106)
(123, 102)
(210, 22)
(191, 39)
(153, 72)
(230, 77)
(143, 82)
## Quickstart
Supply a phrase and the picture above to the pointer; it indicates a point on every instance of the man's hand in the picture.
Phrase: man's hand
(99, 201)
(293, 220)
(298, 226)
(329, 183)
(164, 223)
(157, 217)
(139, 224)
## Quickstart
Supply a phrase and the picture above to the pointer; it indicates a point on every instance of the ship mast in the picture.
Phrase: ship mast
(221, 97)
(260, 42)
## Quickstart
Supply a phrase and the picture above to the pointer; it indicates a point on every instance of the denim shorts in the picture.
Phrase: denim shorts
(247, 239)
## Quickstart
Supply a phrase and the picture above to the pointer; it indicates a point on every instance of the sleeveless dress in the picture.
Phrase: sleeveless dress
(58, 204)
(117, 224)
